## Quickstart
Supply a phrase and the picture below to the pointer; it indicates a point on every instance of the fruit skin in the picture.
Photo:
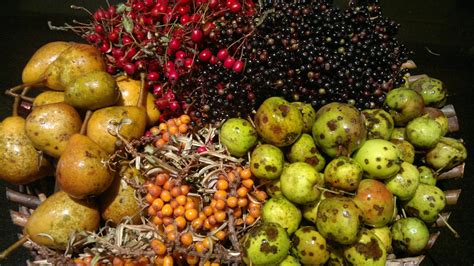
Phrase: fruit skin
(308, 113)
(75, 61)
(299, 181)
(379, 158)
(278, 122)
(426, 204)
(339, 129)
(344, 173)
(367, 250)
(304, 150)
(309, 246)
(403, 105)
(281, 211)
(48, 97)
(129, 94)
(439, 117)
(273, 188)
(82, 170)
(406, 149)
(20, 161)
(432, 90)
(265, 244)
(289, 261)
(385, 236)
(41, 59)
(50, 126)
(398, 133)
(91, 91)
(375, 201)
(405, 182)
(238, 136)
(379, 124)
(410, 235)
(118, 202)
(423, 132)
(59, 216)
(427, 175)
(446, 154)
(103, 122)
(339, 219)
(266, 161)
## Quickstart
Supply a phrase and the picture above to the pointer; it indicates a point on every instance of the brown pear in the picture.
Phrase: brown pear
(59, 217)
(48, 97)
(21, 163)
(72, 63)
(50, 126)
(82, 169)
(119, 202)
(41, 59)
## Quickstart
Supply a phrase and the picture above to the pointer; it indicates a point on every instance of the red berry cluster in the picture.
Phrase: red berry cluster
(167, 39)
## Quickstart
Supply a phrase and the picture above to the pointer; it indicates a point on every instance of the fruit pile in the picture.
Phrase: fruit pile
(198, 56)
(229, 132)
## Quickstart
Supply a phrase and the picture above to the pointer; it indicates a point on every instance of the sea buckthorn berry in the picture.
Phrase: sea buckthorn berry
(242, 192)
(184, 189)
(190, 205)
(192, 260)
(185, 119)
(249, 219)
(207, 225)
(208, 210)
(168, 261)
(186, 239)
(221, 235)
(212, 220)
(151, 211)
(206, 242)
(181, 199)
(160, 143)
(260, 195)
(165, 196)
(179, 211)
(220, 204)
(197, 224)
(199, 246)
(242, 202)
(157, 204)
(232, 202)
(248, 183)
(149, 198)
(222, 185)
(161, 179)
(158, 246)
(183, 128)
(220, 194)
(167, 210)
(174, 204)
(157, 220)
(246, 173)
(220, 216)
(180, 222)
(168, 220)
(191, 214)
(175, 192)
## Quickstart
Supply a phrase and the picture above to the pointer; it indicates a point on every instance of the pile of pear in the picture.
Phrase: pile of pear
(347, 187)
(80, 119)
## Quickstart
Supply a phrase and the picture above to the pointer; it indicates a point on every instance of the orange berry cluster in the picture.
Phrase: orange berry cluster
(173, 127)
(184, 218)
(116, 261)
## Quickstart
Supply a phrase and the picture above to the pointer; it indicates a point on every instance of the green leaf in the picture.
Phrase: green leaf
(127, 24)
(121, 8)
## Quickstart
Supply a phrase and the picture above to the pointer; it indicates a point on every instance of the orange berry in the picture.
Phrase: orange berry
(180, 222)
(206, 242)
(220, 216)
(154, 190)
(160, 143)
(181, 199)
(117, 262)
(260, 195)
(231, 177)
(158, 246)
(207, 225)
(169, 228)
(237, 212)
(191, 214)
(162, 127)
(167, 220)
(168, 261)
(157, 204)
(246, 173)
(157, 220)
(171, 236)
(220, 204)
(212, 220)
(202, 215)
(176, 191)
(179, 211)
(222, 184)
(215, 264)
(174, 203)
(167, 210)
(160, 179)
(221, 235)
(239, 221)
(192, 260)
(158, 261)
(183, 128)
(190, 205)
(185, 119)
(232, 202)
(185, 189)
(149, 198)
(143, 261)
(199, 246)
(170, 122)
(151, 211)
(177, 121)
(242, 192)
(165, 196)
(221, 177)
(166, 136)
(208, 210)
(242, 202)
(249, 219)
(248, 183)
(186, 239)
(255, 211)
(197, 224)
(173, 130)
(220, 194)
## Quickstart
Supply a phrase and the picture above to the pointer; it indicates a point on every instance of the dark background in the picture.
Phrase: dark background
(443, 27)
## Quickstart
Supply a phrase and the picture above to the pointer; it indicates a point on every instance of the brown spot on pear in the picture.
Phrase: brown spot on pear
(53, 222)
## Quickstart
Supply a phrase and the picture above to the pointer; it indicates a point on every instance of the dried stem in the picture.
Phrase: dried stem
(432, 240)
(85, 122)
(452, 196)
(18, 218)
(441, 221)
(29, 201)
(454, 173)
(13, 247)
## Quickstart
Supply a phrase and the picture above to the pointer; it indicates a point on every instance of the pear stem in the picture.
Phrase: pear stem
(85, 122)
(143, 93)
(18, 97)
(29, 201)
(13, 247)
(456, 234)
